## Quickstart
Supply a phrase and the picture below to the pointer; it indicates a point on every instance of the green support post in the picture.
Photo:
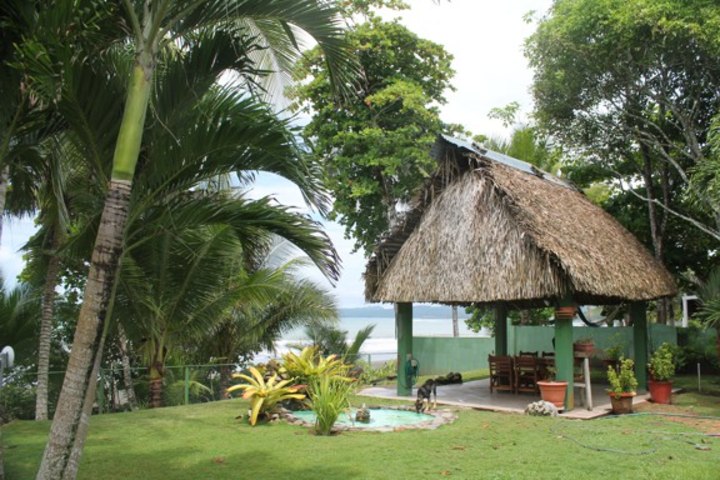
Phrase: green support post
(501, 335)
(564, 359)
(187, 386)
(404, 326)
(638, 316)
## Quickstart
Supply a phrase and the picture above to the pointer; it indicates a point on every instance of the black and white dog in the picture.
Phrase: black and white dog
(423, 396)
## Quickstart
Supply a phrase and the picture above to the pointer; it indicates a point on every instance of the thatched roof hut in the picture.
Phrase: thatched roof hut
(488, 228)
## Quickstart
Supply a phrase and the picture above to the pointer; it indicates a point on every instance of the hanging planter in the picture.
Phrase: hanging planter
(565, 313)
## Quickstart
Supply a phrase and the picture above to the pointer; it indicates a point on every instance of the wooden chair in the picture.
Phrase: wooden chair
(546, 362)
(502, 373)
(529, 354)
(527, 373)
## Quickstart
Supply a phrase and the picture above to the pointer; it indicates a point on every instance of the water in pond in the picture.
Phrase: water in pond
(381, 417)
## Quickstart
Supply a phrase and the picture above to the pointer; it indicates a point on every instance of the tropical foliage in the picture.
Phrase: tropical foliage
(374, 146)
(264, 394)
(309, 364)
(622, 380)
(328, 399)
(662, 363)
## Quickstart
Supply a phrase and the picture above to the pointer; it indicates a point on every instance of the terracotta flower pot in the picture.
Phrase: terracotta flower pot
(553, 392)
(584, 348)
(660, 392)
(623, 403)
(565, 313)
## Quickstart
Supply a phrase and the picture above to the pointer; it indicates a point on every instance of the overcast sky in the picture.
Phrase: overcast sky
(485, 37)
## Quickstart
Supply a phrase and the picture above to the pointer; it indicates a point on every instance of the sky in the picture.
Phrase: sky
(486, 39)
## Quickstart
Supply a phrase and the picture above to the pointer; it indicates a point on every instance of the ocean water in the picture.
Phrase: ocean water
(382, 344)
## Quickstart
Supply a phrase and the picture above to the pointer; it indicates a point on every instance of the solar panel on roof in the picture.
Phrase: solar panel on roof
(504, 159)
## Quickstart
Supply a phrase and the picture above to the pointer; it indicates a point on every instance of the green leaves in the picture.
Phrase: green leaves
(375, 146)
(264, 394)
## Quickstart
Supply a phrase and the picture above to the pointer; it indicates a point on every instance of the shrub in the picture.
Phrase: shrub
(623, 381)
(662, 363)
(372, 375)
(329, 398)
(17, 402)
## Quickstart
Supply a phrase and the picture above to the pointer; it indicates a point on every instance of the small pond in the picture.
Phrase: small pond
(381, 419)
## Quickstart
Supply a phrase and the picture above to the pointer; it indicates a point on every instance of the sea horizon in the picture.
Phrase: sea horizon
(381, 346)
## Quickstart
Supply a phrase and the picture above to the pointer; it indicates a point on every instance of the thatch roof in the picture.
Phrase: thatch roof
(488, 228)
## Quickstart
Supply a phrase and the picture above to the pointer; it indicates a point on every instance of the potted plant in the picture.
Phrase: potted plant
(551, 390)
(584, 346)
(611, 357)
(662, 369)
(566, 312)
(623, 385)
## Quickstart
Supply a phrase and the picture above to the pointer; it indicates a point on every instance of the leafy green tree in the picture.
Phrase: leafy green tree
(375, 145)
(632, 85)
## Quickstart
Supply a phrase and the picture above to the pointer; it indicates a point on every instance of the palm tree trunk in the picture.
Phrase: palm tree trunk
(156, 385)
(127, 372)
(74, 460)
(79, 380)
(224, 381)
(4, 176)
(79, 383)
(48, 304)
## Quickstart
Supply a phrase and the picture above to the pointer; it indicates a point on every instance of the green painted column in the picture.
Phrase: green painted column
(564, 359)
(403, 324)
(638, 316)
(501, 335)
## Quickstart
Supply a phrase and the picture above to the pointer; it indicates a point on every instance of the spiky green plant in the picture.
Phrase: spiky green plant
(308, 365)
(264, 394)
(328, 398)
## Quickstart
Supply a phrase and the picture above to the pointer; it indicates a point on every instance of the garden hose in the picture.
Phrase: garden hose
(556, 429)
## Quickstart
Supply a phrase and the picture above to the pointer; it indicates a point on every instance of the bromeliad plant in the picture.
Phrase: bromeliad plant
(308, 365)
(264, 394)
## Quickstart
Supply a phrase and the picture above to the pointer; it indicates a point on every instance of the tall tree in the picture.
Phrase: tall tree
(156, 27)
(634, 83)
(376, 146)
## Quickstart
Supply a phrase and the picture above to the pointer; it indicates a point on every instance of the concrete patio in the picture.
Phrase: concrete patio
(476, 394)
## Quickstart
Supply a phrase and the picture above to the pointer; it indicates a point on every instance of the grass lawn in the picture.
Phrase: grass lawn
(207, 442)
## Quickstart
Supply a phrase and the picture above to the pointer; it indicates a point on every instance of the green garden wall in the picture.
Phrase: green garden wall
(440, 355)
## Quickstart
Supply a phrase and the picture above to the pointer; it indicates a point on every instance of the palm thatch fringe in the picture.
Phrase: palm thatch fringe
(483, 232)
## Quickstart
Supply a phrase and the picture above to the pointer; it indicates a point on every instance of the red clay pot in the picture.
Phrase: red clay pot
(553, 392)
(565, 313)
(660, 392)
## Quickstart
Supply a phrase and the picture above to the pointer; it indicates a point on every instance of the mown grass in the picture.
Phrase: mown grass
(207, 442)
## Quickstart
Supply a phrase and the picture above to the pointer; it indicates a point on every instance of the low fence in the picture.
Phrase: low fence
(183, 385)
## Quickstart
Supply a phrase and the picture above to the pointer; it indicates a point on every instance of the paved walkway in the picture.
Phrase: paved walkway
(476, 394)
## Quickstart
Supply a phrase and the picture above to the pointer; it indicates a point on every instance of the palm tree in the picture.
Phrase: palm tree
(248, 328)
(175, 289)
(162, 26)
(18, 320)
(332, 341)
(709, 294)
